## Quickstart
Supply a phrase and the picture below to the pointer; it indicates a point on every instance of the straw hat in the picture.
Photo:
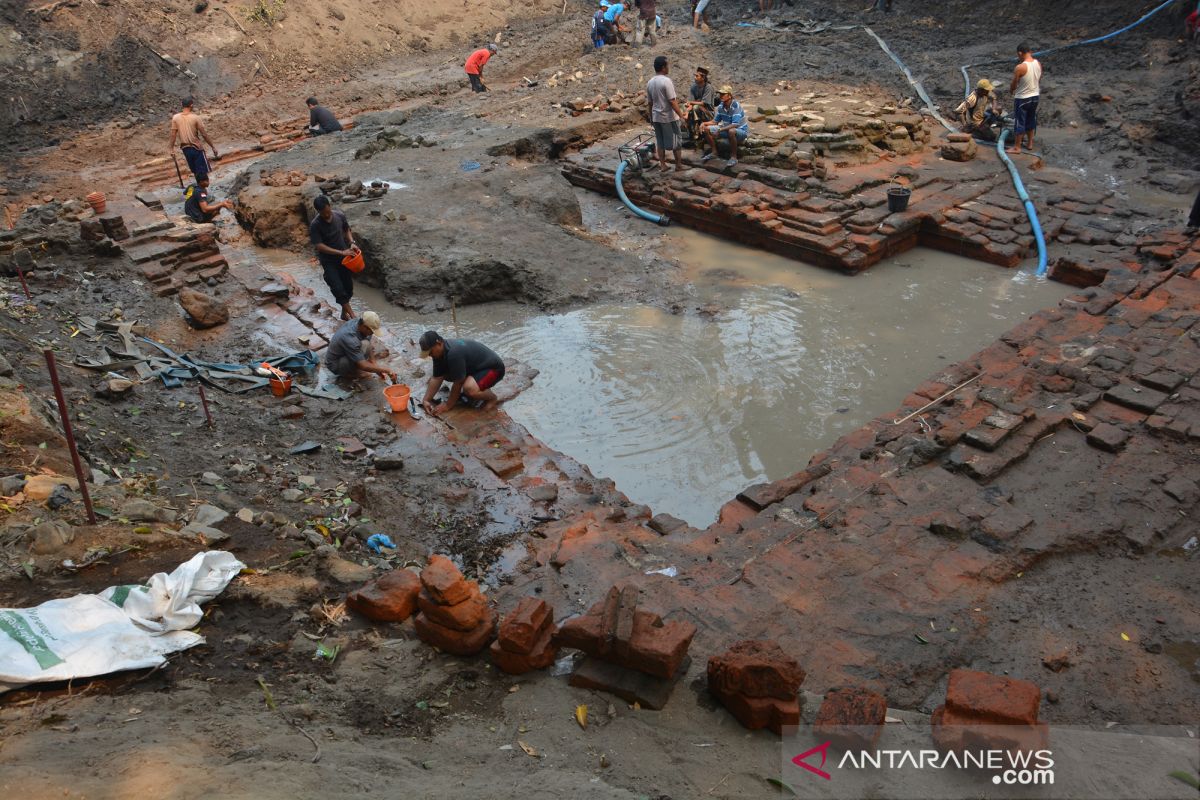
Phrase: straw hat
(984, 84)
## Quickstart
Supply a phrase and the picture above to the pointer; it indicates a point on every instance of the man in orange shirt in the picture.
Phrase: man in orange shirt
(474, 66)
(188, 129)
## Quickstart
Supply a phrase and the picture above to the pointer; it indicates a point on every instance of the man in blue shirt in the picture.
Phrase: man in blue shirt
(729, 121)
(613, 17)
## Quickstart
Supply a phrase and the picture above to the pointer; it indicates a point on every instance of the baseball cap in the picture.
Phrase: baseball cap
(726, 89)
(371, 320)
(427, 341)
(984, 84)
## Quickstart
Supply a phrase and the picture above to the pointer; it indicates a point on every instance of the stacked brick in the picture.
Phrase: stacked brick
(989, 712)
(758, 684)
(617, 631)
(526, 638)
(454, 616)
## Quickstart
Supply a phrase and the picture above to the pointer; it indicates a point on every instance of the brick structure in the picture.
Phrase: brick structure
(811, 183)
(616, 630)
(392, 597)
(526, 638)
(454, 616)
(758, 683)
(635, 655)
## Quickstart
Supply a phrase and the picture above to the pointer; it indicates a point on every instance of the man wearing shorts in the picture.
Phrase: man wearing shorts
(188, 129)
(471, 368)
(700, 14)
(665, 114)
(1026, 89)
(729, 121)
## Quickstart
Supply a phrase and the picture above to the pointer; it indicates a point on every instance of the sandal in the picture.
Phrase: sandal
(414, 408)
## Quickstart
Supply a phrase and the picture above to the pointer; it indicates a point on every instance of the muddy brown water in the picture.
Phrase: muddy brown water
(685, 410)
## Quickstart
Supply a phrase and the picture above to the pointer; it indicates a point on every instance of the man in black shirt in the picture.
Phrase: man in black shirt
(196, 203)
(471, 368)
(330, 233)
(320, 119)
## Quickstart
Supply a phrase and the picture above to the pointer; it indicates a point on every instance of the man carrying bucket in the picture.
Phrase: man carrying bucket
(472, 369)
(330, 234)
(349, 351)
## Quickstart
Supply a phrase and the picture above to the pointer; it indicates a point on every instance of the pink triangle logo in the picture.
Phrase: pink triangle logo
(800, 761)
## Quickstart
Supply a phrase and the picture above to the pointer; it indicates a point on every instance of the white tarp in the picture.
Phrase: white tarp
(123, 627)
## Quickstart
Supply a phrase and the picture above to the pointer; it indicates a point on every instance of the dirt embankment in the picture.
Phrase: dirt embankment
(70, 63)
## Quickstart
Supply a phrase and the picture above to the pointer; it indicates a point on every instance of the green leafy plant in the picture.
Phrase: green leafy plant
(265, 11)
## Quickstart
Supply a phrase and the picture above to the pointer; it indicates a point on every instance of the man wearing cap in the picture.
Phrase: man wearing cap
(188, 129)
(979, 111)
(471, 368)
(474, 66)
(665, 114)
(600, 30)
(729, 121)
(612, 17)
(349, 351)
(330, 233)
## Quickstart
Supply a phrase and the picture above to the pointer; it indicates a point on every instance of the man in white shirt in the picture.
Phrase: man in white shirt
(1026, 89)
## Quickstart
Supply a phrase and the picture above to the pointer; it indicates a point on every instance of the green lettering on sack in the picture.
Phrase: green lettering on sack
(121, 594)
(18, 630)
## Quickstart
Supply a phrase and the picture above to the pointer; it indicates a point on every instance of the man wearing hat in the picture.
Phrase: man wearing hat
(601, 34)
(979, 112)
(729, 121)
(472, 369)
(349, 351)
(474, 66)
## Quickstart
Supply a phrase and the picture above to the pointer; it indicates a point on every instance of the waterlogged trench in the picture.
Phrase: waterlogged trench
(685, 410)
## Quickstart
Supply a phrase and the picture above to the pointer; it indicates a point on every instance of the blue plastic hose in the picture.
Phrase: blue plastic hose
(659, 219)
(1029, 209)
(1040, 53)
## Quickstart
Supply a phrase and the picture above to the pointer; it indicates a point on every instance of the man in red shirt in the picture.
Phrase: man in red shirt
(474, 66)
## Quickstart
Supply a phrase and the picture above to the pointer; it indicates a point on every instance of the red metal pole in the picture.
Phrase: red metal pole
(21, 275)
(70, 434)
(204, 402)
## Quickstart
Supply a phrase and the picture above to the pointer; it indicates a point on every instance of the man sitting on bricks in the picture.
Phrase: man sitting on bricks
(349, 351)
(729, 121)
(196, 203)
(471, 368)
(703, 99)
(979, 114)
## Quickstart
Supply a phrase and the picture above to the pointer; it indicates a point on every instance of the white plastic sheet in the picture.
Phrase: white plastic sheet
(123, 627)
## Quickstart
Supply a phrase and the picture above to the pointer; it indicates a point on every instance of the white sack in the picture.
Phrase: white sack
(123, 627)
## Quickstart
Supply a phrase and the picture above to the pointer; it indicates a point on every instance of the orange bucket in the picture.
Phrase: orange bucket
(97, 201)
(354, 263)
(280, 387)
(397, 397)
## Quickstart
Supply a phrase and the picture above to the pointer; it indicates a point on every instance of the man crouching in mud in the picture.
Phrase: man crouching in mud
(471, 368)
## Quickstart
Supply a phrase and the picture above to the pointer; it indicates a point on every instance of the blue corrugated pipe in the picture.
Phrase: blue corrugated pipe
(1029, 209)
(660, 219)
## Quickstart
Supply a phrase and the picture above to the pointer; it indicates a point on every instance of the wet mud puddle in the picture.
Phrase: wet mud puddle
(685, 410)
